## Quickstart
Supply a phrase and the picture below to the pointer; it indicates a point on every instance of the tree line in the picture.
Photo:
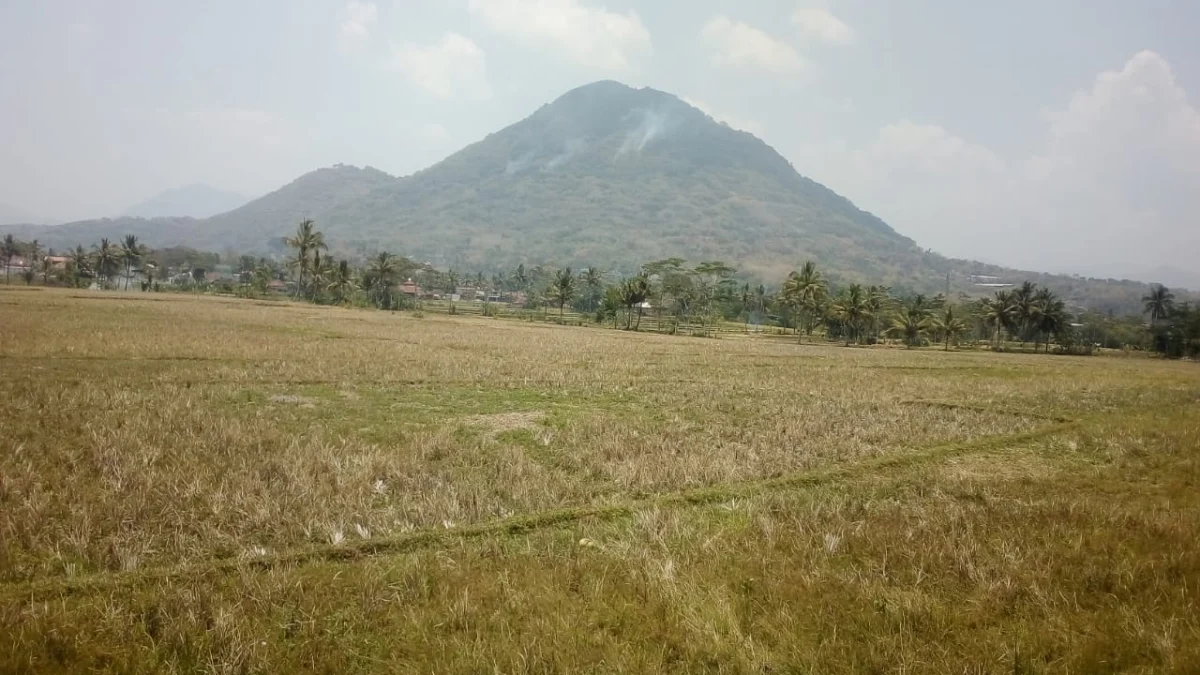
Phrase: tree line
(675, 296)
(104, 262)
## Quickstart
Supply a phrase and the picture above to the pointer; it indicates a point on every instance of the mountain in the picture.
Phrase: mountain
(608, 174)
(193, 201)
(260, 225)
(605, 175)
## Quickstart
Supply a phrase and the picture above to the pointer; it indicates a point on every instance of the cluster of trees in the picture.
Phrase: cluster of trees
(103, 263)
(863, 314)
(1174, 327)
(678, 297)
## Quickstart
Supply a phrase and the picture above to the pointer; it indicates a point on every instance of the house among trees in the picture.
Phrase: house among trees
(17, 265)
(410, 288)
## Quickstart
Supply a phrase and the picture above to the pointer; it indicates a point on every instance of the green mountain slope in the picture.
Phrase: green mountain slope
(260, 225)
(612, 175)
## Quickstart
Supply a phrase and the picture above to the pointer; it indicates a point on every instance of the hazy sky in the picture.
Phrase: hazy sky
(1056, 135)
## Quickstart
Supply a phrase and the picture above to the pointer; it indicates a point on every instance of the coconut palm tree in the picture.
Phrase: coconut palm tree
(1024, 310)
(80, 263)
(760, 300)
(306, 239)
(341, 281)
(745, 296)
(108, 259)
(9, 250)
(949, 326)
(803, 292)
(851, 309)
(131, 252)
(382, 275)
(633, 293)
(261, 277)
(997, 313)
(1050, 317)
(34, 251)
(562, 289)
(878, 300)
(593, 281)
(320, 271)
(1158, 303)
(913, 321)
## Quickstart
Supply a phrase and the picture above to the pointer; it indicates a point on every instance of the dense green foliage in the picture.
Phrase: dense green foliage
(693, 299)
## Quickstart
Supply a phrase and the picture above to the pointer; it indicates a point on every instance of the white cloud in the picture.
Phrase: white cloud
(734, 121)
(820, 24)
(358, 19)
(589, 36)
(738, 45)
(1114, 189)
(453, 67)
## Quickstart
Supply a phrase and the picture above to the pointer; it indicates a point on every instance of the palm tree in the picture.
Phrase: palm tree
(131, 253)
(997, 313)
(760, 301)
(877, 302)
(1050, 317)
(950, 326)
(341, 281)
(802, 292)
(745, 297)
(1158, 303)
(8, 251)
(261, 277)
(382, 275)
(307, 238)
(107, 259)
(520, 279)
(851, 308)
(451, 288)
(320, 271)
(562, 289)
(913, 321)
(633, 294)
(35, 255)
(593, 281)
(80, 263)
(1024, 309)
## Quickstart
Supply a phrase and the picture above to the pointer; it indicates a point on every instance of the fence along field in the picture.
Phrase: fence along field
(195, 484)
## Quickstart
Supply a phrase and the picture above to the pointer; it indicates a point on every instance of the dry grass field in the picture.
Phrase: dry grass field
(209, 485)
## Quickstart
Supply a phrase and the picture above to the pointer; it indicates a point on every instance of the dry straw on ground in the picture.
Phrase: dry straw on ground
(203, 484)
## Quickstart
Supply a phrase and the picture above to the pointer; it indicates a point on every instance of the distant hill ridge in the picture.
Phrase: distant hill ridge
(193, 201)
